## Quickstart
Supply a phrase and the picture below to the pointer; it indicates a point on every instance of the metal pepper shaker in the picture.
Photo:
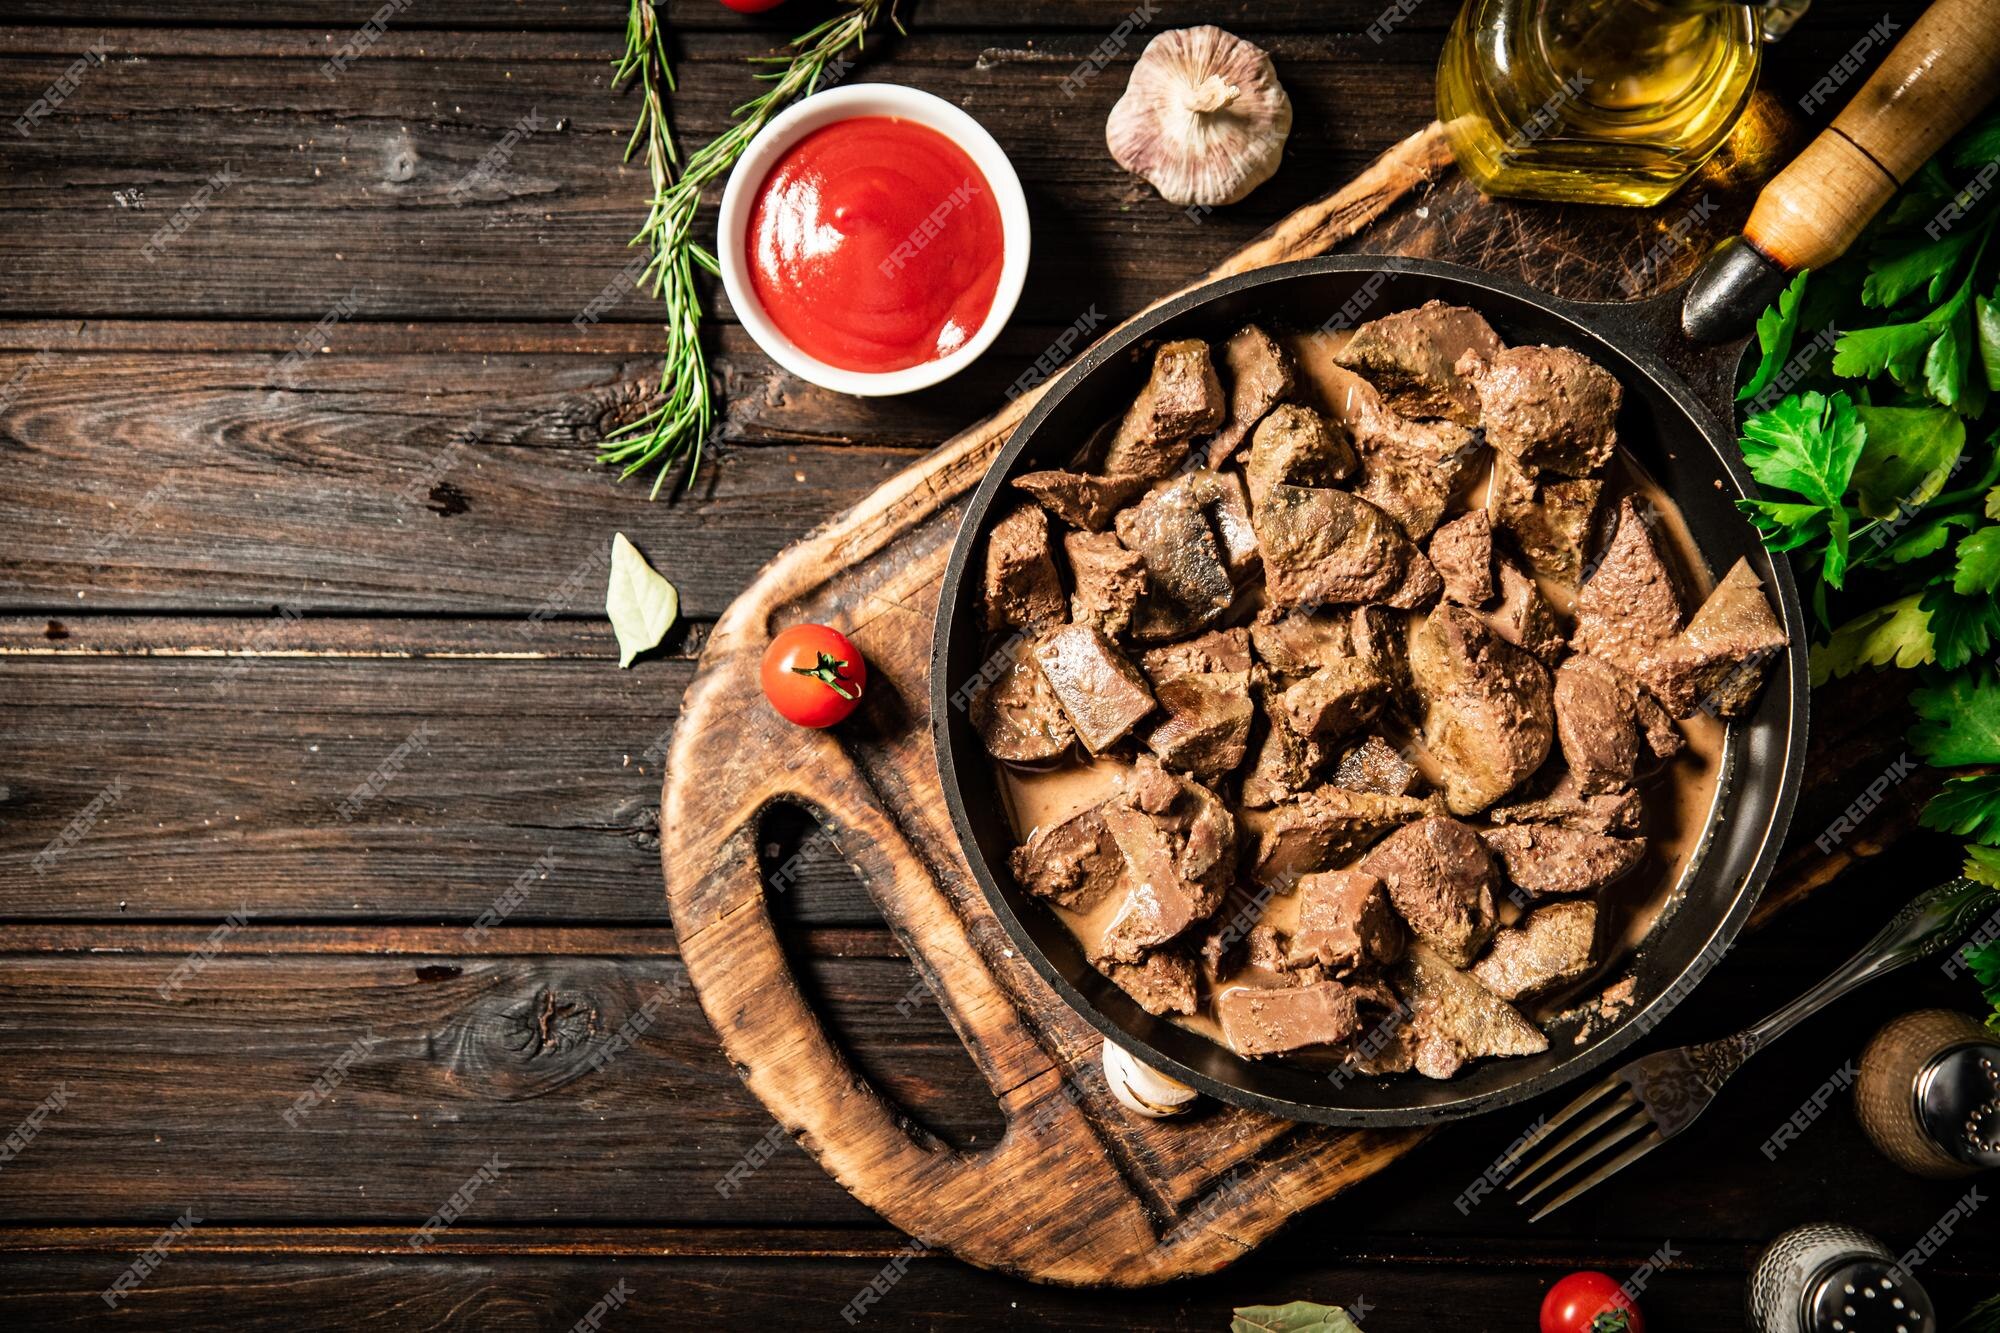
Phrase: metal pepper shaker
(1928, 1094)
(1826, 1278)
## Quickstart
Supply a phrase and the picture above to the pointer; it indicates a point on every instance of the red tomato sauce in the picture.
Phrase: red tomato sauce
(875, 245)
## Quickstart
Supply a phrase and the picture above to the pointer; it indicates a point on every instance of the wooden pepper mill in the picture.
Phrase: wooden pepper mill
(1929, 1093)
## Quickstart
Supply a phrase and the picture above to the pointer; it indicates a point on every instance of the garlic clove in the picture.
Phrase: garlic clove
(1204, 118)
(1143, 1089)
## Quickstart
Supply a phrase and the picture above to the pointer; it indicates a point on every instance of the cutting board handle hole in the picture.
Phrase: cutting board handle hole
(856, 977)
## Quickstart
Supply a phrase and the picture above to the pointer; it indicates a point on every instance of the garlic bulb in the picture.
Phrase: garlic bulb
(1142, 1088)
(1204, 118)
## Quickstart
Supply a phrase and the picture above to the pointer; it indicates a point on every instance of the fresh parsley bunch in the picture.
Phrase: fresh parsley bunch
(1868, 422)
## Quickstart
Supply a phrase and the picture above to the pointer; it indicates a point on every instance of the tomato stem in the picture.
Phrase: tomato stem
(828, 674)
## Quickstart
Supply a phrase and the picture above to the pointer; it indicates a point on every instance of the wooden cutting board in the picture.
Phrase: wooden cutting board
(1076, 1190)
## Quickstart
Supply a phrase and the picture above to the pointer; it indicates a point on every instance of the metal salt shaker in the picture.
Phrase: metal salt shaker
(1825, 1278)
(1928, 1094)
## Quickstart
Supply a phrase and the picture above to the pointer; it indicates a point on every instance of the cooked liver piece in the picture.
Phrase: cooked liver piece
(1299, 643)
(1159, 903)
(1104, 695)
(1631, 604)
(1550, 948)
(1524, 617)
(1345, 922)
(1264, 947)
(1657, 732)
(1457, 1019)
(1596, 723)
(1604, 812)
(1206, 724)
(1163, 982)
(1284, 762)
(1551, 523)
(1073, 863)
(1324, 826)
(1258, 1021)
(1718, 663)
(1488, 716)
(1338, 698)
(1411, 356)
(1296, 446)
(1217, 650)
(1409, 469)
(1022, 586)
(1462, 551)
(1552, 409)
(1188, 585)
(1110, 580)
(1441, 879)
(1079, 499)
(1547, 859)
(1019, 717)
(1377, 766)
(1178, 841)
(1382, 637)
(1182, 397)
(1228, 506)
(1261, 375)
(1322, 546)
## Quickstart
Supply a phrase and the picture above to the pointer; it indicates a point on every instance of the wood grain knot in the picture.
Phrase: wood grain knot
(529, 1035)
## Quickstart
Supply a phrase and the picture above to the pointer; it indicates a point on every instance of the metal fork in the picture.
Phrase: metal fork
(1657, 1096)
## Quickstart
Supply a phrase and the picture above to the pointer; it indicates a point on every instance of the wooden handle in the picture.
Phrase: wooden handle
(1943, 70)
(1048, 1199)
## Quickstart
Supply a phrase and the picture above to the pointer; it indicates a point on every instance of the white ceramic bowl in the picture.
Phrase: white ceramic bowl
(739, 197)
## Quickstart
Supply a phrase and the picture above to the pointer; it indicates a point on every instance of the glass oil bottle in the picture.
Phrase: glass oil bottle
(1595, 101)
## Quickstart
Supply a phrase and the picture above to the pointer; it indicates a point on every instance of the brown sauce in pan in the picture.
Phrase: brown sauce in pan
(1679, 797)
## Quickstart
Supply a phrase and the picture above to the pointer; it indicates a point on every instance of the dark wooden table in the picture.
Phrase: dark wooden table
(233, 584)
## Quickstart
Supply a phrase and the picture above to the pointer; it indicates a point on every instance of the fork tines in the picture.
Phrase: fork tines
(1614, 1122)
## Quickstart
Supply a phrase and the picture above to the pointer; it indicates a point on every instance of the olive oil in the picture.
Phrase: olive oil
(1594, 101)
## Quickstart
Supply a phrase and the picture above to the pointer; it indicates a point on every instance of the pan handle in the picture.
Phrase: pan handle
(1934, 80)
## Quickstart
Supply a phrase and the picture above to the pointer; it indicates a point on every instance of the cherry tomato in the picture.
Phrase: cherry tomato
(751, 6)
(1589, 1303)
(813, 676)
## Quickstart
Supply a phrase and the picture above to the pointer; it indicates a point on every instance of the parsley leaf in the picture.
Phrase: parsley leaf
(1978, 563)
(1926, 536)
(1983, 864)
(1978, 144)
(1948, 368)
(1898, 632)
(1962, 628)
(1960, 720)
(1777, 328)
(1969, 807)
(1898, 349)
(1892, 277)
(1911, 454)
(1932, 354)
(1808, 444)
(1986, 315)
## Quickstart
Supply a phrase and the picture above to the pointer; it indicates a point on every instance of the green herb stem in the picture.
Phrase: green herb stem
(679, 424)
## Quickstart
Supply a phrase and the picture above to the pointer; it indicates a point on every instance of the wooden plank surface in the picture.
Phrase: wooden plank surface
(493, 1048)
(164, 461)
(1703, 1290)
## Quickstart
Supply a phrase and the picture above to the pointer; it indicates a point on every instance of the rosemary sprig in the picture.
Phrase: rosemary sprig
(678, 426)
